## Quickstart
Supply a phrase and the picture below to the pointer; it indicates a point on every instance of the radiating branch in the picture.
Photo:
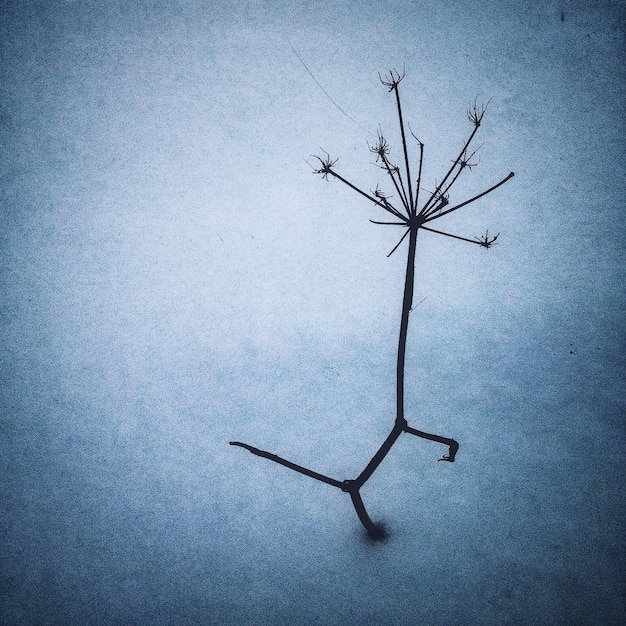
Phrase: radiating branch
(442, 201)
(393, 171)
(485, 242)
(392, 82)
(389, 223)
(381, 149)
(480, 195)
(406, 152)
(325, 170)
(464, 162)
(399, 242)
(475, 116)
(380, 195)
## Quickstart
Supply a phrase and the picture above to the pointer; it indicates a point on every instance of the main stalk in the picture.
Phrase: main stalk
(400, 422)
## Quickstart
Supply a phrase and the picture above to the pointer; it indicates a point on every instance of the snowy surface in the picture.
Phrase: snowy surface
(174, 277)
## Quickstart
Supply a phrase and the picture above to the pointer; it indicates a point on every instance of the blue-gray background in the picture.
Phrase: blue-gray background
(173, 277)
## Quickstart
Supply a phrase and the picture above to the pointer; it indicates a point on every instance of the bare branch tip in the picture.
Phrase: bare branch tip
(414, 137)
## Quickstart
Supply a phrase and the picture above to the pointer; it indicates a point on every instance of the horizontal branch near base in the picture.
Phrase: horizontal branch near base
(294, 466)
(350, 486)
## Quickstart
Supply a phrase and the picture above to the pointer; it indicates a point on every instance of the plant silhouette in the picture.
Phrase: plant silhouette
(412, 220)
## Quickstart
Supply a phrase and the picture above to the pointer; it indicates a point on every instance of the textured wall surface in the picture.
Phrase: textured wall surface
(172, 277)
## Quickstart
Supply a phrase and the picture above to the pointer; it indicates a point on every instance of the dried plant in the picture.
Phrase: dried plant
(408, 216)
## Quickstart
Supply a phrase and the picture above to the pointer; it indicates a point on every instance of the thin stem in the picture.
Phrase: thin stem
(464, 163)
(400, 423)
(388, 207)
(389, 223)
(440, 232)
(480, 195)
(439, 187)
(407, 303)
(406, 152)
(400, 189)
(398, 244)
(290, 465)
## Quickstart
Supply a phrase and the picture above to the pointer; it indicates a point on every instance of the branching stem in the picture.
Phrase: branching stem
(438, 190)
(412, 222)
(480, 195)
(385, 205)
(391, 170)
(290, 465)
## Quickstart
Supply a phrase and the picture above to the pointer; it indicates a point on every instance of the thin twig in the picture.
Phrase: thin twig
(399, 242)
(394, 169)
(480, 195)
(464, 163)
(381, 149)
(455, 162)
(290, 465)
(406, 153)
(419, 173)
(389, 223)
(440, 232)
(377, 201)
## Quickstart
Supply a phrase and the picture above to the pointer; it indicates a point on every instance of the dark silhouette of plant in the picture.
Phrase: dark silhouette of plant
(412, 220)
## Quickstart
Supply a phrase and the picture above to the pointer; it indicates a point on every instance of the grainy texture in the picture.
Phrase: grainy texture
(173, 276)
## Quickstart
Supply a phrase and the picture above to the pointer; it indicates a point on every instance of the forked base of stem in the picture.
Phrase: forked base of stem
(375, 531)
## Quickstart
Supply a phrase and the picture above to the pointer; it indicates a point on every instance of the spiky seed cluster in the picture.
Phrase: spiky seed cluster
(379, 193)
(476, 112)
(485, 241)
(408, 214)
(393, 80)
(466, 161)
(326, 165)
(380, 148)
